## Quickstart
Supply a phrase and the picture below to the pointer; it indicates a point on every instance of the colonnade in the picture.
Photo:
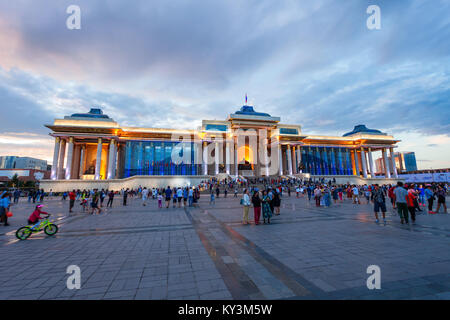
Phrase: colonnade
(72, 165)
(317, 160)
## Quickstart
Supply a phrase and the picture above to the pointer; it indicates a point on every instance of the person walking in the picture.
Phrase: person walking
(191, 196)
(102, 197)
(168, 194)
(391, 195)
(144, 194)
(441, 199)
(125, 196)
(355, 195)
(256, 200)
(94, 203)
(317, 196)
(72, 197)
(160, 198)
(110, 199)
(429, 195)
(410, 198)
(16, 196)
(379, 202)
(327, 197)
(246, 203)
(179, 196)
(276, 202)
(400, 198)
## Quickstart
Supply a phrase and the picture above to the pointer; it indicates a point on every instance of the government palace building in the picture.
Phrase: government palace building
(93, 151)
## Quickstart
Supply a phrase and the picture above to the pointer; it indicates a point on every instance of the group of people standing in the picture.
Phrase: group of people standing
(266, 202)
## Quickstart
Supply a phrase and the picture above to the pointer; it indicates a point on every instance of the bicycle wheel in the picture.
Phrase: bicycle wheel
(51, 229)
(23, 233)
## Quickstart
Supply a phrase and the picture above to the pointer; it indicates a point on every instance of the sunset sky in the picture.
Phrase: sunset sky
(173, 63)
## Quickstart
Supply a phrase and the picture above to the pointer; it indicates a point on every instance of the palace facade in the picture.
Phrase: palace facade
(92, 146)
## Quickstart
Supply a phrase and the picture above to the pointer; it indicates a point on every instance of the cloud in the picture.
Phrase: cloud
(174, 63)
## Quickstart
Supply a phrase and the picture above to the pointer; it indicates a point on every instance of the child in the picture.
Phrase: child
(367, 194)
(160, 197)
(36, 216)
(212, 201)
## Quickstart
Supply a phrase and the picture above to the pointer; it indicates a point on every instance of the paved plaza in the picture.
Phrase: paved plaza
(138, 252)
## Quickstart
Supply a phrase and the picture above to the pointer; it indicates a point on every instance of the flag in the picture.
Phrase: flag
(245, 98)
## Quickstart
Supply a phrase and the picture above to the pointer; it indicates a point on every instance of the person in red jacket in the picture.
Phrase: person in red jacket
(36, 216)
(72, 197)
(410, 202)
(391, 195)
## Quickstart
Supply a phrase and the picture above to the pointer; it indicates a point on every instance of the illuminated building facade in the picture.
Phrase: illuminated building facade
(92, 146)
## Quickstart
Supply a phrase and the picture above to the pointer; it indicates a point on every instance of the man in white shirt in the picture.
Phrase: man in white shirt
(355, 192)
(179, 196)
(144, 196)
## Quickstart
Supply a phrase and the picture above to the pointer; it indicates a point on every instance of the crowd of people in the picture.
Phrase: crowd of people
(407, 200)
(263, 194)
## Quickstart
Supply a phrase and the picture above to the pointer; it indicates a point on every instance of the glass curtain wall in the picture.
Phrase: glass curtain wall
(154, 158)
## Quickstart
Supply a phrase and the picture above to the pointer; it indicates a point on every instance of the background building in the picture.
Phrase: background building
(408, 161)
(13, 162)
(404, 162)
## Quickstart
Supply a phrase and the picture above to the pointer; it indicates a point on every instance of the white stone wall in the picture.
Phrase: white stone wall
(117, 184)
(358, 180)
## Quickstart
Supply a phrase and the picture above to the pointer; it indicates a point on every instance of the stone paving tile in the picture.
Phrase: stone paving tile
(145, 253)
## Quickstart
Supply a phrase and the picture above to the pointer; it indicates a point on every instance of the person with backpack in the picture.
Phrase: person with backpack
(379, 202)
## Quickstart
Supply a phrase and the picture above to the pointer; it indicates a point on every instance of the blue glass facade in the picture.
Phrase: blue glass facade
(326, 160)
(154, 158)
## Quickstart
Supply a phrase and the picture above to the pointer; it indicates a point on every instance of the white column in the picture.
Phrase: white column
(364, 162)
(280, 159)
(111, 161)
(356, 163)
(294, 161)
(289, 157)
(236, 162)
(82, 154)
(227, 157)
(54, 174)
(371, 166)
(386, 164)
(394, 167)
(98, 161)
(266, 155)
(69, 159)
(62, 154)
(299, 158)
(205, 158)
(217, 157)
(114, 161)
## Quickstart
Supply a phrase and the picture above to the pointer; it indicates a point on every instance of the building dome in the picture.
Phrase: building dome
(95, 113)
(248, 110)
(361, 128)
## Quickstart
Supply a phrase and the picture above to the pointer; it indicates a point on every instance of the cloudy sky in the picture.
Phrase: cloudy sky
(172, 63)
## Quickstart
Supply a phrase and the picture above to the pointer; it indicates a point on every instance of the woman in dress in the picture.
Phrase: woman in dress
(267, 213)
